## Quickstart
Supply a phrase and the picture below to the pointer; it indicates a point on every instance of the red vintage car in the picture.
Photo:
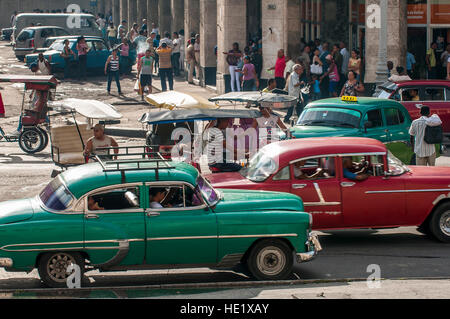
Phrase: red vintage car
(413, 94)
(393, 194)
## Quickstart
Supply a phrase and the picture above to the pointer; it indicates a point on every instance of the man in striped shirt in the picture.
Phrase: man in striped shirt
(425, 153)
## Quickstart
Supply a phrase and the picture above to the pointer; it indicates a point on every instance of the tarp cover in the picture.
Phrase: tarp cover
(189, 115)
(276, 101)
(90, 108)
(172, 100)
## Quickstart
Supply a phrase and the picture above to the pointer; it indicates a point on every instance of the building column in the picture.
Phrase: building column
(397, 27)
(124, 10)
(116, 12)
(152, 13)
(280, 25)
(101, 6)
(141, 11)
(231, 27)
(132, 12)
(108, 8)
(208, 40)
(191, 17)
(165, 16)
(177, 14)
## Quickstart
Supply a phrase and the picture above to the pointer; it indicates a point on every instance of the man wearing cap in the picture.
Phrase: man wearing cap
(98, 141)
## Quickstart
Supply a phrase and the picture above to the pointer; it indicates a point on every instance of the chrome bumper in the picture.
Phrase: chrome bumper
(6, 262)
(313, 247)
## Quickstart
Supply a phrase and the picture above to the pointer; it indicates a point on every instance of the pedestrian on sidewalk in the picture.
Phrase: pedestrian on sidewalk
(112, 34)
(190, 57)
(352, 86)
(125, 61)
(176, 53)
(250, 79)
(65, 54)
(297, 81)
(83, 50)
(332, 76)
(279, 67)
(354, 63)
(112, 68)
(425, 153)
(232, 58)
(145, 70)
(197, 57)
(165, 66)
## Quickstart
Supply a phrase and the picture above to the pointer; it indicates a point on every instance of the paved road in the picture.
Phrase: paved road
(347, 254)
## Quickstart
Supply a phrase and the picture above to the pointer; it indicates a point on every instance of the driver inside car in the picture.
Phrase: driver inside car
(349, 167)
(93, 205)
(157, 195)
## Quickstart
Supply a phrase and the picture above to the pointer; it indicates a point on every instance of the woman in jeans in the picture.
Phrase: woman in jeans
(233, 57)
(65, 54)
(250, 79)
(112, 68)
(83, 50)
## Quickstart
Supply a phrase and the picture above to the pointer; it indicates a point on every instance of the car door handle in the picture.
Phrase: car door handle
(153, 214)
(299, 186)
(347, 184)
(92, 216)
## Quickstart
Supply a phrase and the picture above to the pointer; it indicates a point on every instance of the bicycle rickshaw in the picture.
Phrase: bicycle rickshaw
(33, 119)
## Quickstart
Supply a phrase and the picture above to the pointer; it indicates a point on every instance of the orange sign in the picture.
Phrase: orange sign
(440, 13)
(417, 14)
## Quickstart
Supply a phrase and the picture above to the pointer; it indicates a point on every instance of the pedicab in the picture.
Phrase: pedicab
(70, 137)
(32, 133)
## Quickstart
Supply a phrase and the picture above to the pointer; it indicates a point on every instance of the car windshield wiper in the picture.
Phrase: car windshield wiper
(315, 123)
(346, 125)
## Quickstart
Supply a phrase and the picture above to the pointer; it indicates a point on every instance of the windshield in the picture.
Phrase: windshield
(58, 46)
(207, 191)
(56, 196)
(25, 35)
(328, 116)
(396, 166)
(260, 168)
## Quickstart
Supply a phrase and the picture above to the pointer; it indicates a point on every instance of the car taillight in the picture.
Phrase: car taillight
(49, 58)
(32, 43)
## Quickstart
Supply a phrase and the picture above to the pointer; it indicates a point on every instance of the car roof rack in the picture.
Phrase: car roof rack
(125, 165)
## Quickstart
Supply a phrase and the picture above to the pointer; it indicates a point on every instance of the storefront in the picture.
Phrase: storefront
(428, 21)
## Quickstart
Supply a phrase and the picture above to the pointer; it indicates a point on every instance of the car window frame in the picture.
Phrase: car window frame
(425, 87)
(383, 119)
(291, 164)
(399, 111)
(174, 209)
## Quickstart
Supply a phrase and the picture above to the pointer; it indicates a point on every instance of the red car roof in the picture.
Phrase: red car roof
(306, 147)
(423, 82)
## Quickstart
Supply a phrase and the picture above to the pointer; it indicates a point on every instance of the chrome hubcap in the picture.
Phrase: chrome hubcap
(57, 266)
(444, 223)
(271, 261)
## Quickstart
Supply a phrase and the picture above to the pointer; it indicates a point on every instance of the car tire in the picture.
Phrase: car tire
(31, 140)
(440, 223)
(270, 260)
(52, 268)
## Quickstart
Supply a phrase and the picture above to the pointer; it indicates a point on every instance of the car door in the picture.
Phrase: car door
(115, 228)
(321, 195)
(374, 125)
(378, 201)
(437, 98)
(92, 60)
(184, 231)
(397, 123)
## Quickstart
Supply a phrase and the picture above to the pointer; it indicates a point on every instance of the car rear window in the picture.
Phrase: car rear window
(25, 35)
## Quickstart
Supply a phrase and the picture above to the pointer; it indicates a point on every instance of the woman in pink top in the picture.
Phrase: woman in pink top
(125, 63)
(83, 50)
(250, 78)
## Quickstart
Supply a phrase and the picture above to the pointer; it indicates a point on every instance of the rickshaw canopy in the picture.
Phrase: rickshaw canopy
(32, 82)
(256, 99)
(191, 115)
(91, 109)
(176, 100)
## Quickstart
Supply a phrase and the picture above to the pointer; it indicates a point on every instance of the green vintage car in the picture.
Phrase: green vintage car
(107, 216)
(385, 120)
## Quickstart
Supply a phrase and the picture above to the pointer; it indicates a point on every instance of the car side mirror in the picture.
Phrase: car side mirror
(367, 125)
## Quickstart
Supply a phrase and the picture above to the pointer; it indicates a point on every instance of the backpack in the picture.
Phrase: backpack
(433, 135)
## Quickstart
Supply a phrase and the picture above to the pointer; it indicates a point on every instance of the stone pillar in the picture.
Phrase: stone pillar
(231, 27)
(177, 14)
(191, 17)
(152, 13)
(141, 11)
(124, 11)
(101, 6)
(165, 16)
(108, 8)
(116, 12)
(396, 38)
(208, 40)
(280, 25)
(132, 12)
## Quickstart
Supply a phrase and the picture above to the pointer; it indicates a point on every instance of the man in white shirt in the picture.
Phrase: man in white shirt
(425, 153)
(176, 52)
(289, 65)
(166, 40)
(402, 76)
(345, 58)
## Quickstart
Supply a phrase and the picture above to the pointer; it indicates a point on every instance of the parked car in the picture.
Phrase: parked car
(87, 25)
(385, 120)
(29, 39)
(98, 215)
(394, 195)
(96, 58)
(414, 94)
(6, 34)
